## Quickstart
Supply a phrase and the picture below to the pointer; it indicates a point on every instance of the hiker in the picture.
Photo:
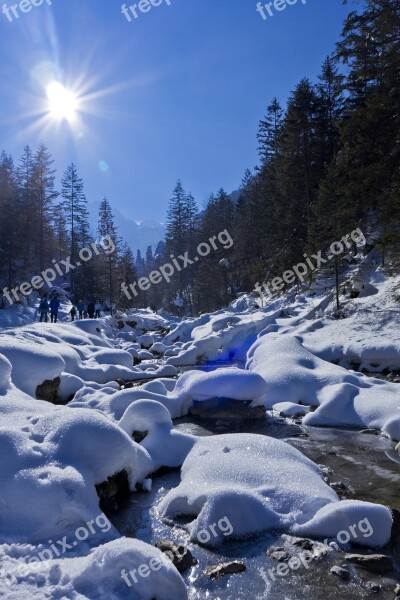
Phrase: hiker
(44, 310)
(97, 308)
(90, 310)
(81, 308)
(72, 312)
(54, 307)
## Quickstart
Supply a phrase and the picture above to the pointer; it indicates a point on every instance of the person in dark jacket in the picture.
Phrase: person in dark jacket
(72, 312)
(90, 310)
(54, 307)
(44, 310)
(81, 308)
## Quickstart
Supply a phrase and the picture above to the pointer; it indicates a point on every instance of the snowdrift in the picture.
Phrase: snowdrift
(262, 484)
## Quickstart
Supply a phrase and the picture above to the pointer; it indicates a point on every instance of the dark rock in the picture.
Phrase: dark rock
(374, 587)
(338, 485)
(395, 535)
(226, 569)
(305, 544)
(48, 390)
(114, 493)
(180, 556)
(342, 573)
(370, 431)
(139, 436)
(226, 408)
(279, 554)
(377, 563)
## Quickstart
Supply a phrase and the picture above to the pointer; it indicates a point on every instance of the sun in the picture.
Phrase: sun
(63, 103)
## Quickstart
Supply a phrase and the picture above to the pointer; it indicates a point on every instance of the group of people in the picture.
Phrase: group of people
(91, 310)
(51, 307)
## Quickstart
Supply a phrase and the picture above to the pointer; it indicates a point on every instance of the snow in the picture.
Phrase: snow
(39, 353)
(344, 398)
(166, 447)
(341, 516)
(54, 456)
(299, 357)
(51, 458)
(262, 484)
(178, 396)
(219, 337)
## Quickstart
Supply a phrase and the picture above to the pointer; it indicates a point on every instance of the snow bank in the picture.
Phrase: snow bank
(51, 458)
(54, 456)
(178, 396)
(262, 484)
(72, 352)
(367, 338)
(341, 516)
(100, 576)
(166, 447)
(343, 398)
(220, 337)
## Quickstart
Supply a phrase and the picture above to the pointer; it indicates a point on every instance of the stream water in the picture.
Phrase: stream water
(366, 464)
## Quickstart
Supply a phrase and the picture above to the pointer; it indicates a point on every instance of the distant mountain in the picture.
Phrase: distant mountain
(137, 234)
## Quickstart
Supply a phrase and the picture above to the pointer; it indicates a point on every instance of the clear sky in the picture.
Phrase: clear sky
(176, 93)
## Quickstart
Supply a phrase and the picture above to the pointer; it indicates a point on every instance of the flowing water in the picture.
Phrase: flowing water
(366, 464)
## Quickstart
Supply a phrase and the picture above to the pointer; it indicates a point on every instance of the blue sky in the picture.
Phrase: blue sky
(176, 93)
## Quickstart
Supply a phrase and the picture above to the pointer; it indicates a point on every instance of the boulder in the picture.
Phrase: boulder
(226, 408)
(344, 574)
(377, 563)
(114, 493)
(229, 568)
(48, 390)
(180, 556)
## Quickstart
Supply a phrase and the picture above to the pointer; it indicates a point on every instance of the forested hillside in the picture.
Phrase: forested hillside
(329, 162)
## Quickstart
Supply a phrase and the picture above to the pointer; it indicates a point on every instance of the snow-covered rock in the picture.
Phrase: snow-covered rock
(262, 484)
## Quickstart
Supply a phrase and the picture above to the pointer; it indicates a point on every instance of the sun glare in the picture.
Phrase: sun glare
(63, 103)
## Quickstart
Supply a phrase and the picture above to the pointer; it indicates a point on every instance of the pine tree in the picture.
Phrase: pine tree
(9, 222)
(75, 211)
(44, 196)
(25, 179)
(107, 229)
(269, 132)
(128, 275)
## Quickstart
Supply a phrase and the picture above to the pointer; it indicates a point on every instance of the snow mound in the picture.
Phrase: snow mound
(178, 396)
(54, 456)
(44, 352)
(166, 447)
(344, 398)
(221, 336)
(261, 484)
(100, 576)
